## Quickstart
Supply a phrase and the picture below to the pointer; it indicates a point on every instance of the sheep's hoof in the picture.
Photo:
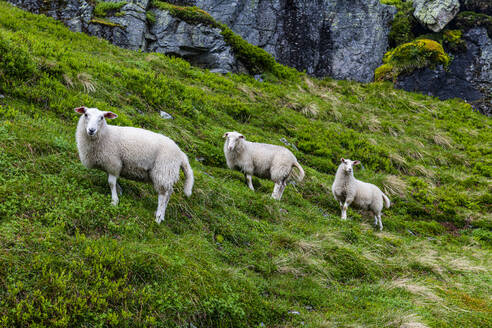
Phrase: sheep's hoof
(114, 203)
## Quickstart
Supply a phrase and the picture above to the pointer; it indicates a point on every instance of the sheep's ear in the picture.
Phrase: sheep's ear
(225, 135)
(110, 115)
(356, 162)
(342, 160)
(80, 110)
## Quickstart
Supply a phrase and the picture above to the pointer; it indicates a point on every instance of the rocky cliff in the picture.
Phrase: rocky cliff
(337, 38)
(342, 39)
(138, 25)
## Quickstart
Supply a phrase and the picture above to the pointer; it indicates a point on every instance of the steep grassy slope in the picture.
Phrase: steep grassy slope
(228, 257)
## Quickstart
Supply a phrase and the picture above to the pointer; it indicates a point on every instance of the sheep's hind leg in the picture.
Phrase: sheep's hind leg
(276, 191)
(281, 189)
(380, 223)
(112, 184)
(375, 220)
(249, 181)
(163, 199)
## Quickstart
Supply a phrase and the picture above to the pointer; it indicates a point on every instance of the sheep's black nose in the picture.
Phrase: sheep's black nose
(91, 131)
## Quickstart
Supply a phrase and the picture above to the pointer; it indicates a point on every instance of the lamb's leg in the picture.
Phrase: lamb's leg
(163, 199)
(375, 220)
(380, 223)
(112, 184)
(249, 181)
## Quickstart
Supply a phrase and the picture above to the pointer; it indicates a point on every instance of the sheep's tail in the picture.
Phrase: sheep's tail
(188, 172)
(387, 202)
(300, 175)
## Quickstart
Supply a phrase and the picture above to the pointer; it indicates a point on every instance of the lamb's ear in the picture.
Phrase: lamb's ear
(225, 135)
(342, 160)
(110, 115)
(356, 162)
(80, 110)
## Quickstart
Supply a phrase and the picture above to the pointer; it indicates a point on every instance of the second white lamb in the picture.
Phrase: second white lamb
(262, 160)
(348, 190)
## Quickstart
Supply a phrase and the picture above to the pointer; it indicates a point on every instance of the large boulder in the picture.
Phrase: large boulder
(338, 38)
(469, 75)
(202, 45)
(435, 14)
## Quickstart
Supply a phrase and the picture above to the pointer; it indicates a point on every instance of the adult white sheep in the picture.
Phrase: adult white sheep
(348, 190)
(131, 153)
(261, 160)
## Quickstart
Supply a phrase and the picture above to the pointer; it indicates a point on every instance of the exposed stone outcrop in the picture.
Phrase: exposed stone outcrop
(129, 28)
(435, 14)
(202, 45)
(468, 77)
(337, 38)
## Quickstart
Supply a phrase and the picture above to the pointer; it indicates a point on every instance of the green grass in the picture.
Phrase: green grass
(228, 257)
(102, 9)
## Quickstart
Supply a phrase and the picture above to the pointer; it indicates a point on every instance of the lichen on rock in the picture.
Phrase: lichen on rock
(435, 14)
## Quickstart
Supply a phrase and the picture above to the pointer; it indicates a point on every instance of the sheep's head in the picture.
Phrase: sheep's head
(347, 165)
(94, 119)
(233, 139)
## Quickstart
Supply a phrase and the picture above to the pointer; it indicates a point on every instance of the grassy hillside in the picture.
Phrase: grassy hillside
(228, 257)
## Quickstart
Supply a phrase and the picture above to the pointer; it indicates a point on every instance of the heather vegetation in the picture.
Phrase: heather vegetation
(228, 257)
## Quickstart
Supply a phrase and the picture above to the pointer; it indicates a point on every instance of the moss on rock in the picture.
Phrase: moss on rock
(410, 56)
(103, 8)
(404, 27)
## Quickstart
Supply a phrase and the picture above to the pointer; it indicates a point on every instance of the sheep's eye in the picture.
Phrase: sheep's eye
(85, 115)
(101, 118)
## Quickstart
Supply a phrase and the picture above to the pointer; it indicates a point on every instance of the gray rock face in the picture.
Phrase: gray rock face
(469, 76)
(338, 38)
(435, 14)
(201, 45)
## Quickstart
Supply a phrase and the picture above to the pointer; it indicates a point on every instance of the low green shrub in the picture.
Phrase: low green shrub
(408, 57)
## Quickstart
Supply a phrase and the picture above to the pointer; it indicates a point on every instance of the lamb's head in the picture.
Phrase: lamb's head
(233, 139)
(94, 119)
(347, 165)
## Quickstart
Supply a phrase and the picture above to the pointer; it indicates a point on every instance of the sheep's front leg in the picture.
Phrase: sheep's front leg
(249, 181)
(344, 209)
(112, 184)
(161, 207)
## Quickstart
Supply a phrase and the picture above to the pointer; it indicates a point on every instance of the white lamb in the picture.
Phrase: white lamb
(261, 160)
(132, 153)
(348, 190)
